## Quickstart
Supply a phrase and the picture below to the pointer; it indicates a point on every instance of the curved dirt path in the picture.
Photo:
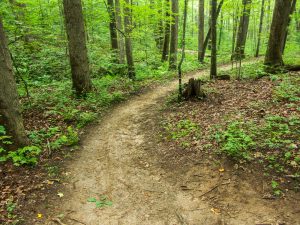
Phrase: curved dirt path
(114, 162)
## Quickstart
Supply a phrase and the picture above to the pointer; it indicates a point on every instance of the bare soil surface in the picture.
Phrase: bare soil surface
(123, 159)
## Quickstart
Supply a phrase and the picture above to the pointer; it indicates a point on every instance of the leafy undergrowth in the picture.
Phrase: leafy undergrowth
(54, 120)
(255, 123)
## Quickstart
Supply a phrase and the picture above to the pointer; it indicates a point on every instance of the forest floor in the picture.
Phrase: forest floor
(127, 173)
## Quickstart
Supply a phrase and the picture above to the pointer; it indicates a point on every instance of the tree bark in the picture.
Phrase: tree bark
(208, 35)
(239, 52)
(221, 31)
(262, 13)
(166, 44)
(213, 68)
(128, 44)
(278, 27)
(293, 8)
(10, 112)
(121, 42)
(201, 29)
(174, 36)
(77, 46)
(113, 28)
(183, 49)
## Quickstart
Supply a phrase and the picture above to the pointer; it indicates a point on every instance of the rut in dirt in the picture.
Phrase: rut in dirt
(115, 162)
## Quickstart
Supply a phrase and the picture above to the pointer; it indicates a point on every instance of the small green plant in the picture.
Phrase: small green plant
(235, 142)
(70, 138)
(181, 129)
(103, 202)
(25, 156)
(288, 89)
(276, 189)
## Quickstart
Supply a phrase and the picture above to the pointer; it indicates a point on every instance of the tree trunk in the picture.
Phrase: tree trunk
(293, 8)
(221, 31)
(77, 46)
(10, 112)
(183, 48)
(159, 29)
(298, 21)
(200, 29)
(213, 68)
(243, 31)
(121, 43)
(262, 13)
(174, 36)
(278, 27)
(208, 35)
(234, 30)
(166, 44)
(113, 28)
(128, 45)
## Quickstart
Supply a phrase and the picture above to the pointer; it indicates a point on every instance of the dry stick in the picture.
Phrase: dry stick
(76, 221)
(212, 189)
(215, 187)
(58, 221)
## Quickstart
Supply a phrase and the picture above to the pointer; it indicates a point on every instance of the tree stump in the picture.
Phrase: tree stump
(193, 89)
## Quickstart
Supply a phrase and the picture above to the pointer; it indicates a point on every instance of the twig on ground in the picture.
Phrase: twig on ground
(56, 220)
(76, 220)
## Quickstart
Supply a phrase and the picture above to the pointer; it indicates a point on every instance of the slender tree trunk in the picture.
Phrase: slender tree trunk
(234, 30)
(208, 35)
(279, 26)
(243, 31)
(298, 21)
(159, 29)
(77, 46)
(166, 44)
(128, 44)
(174, 36)
(221, 31)
(213, 68)
(121, 42)
(183, 48)
(113, 28)
(201, 29)
(10, 112)
(293, 8)
(261, 21)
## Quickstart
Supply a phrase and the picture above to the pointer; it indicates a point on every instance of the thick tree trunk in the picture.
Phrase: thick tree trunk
(128, 45)
(262, 13)
(208, 35)
(200, 29)
(77, 46)
(113, 28)
(213, 68)
(121, 42)
(10, 113)
(279, 26)
(293, 8)
(174, 36)
(243, 31)
(166, 44)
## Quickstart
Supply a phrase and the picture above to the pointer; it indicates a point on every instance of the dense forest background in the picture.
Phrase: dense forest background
(63, 63)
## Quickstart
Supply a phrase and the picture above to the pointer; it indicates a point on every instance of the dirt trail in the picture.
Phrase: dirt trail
(115, 161)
